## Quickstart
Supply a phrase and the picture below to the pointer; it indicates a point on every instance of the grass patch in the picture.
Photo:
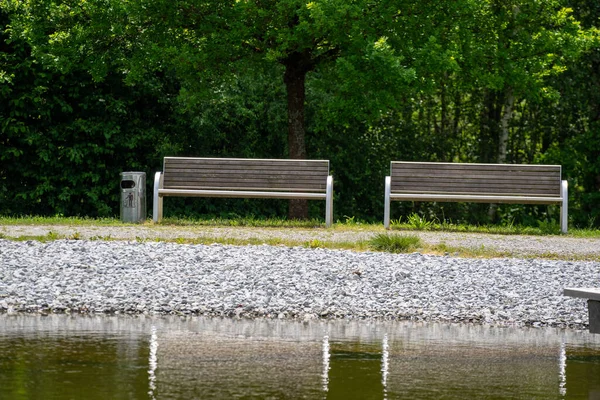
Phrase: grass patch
(465, 252)
(49, 237)
(417, 223)
(245, 222)
(386, 242)
(58, 220)
(414, 222)
(169, 221)
(395, 243)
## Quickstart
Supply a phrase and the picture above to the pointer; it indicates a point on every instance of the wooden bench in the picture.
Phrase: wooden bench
(593, 296)
(482, 183)
(244, 178)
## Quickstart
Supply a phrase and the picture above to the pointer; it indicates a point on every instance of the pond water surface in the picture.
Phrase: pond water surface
(117, 357)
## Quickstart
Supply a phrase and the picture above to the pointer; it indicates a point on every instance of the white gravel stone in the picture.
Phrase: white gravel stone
(280, 282)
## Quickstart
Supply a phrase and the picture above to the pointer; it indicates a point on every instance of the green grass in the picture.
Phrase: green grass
(245, 221)
(388, 245)
(399, 239)
(419, 223)
(58, 220)
(172, 221)
(413, 222)
(395, 243)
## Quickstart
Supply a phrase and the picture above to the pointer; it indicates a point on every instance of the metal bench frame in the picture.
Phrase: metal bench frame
(243, 178)
(481, 183)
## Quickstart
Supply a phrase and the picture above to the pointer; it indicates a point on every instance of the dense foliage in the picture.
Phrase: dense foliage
(92, 88)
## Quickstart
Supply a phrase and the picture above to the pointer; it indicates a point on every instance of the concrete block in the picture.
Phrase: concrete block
(594, 314)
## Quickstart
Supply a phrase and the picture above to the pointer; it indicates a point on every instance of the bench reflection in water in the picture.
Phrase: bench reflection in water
(369, 360)
(100, 357)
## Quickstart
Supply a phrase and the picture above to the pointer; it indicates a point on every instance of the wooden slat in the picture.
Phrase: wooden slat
(283, 179)
(499, 180)
(475, 188)
(472, 186)
(475, 166)
(476, 179)
(256, 168)
(475, 198)
(507, 192)
(458, 180)
(449, 174)
(247, 171)
(245, 174)
(255, 186)
(281, 182)
(246, 182)
(480, 192)
(220, 162)
(501, 175)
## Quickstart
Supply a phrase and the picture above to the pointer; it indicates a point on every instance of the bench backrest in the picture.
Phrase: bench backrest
(245, 174)
(476, 179)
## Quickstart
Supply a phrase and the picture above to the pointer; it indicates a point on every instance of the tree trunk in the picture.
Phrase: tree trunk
(507, 112)
(489, 124)
(444, 106)
(455, 125)
(297, 65)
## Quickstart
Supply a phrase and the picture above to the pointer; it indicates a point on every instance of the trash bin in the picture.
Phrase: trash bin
(133, 196)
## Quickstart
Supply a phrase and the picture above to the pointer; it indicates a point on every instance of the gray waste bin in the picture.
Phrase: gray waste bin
(133, 196)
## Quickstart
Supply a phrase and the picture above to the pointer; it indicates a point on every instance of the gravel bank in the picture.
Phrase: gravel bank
(281, 282)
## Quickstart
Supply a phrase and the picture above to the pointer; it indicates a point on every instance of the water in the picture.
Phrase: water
(104, 357)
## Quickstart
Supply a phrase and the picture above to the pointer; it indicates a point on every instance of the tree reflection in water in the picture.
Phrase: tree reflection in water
(99, 357)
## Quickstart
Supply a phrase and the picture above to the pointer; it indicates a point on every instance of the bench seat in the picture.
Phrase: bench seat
(244, 178)
(477, 183)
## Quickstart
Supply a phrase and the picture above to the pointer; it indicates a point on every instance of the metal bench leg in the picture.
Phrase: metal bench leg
(564, 208)
(386, 212)
(329, 202)
(157, 206)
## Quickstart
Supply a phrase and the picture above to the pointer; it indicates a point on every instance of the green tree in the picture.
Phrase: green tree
(65, 137)
(357, 82)
(210, 43)
(570, 135)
